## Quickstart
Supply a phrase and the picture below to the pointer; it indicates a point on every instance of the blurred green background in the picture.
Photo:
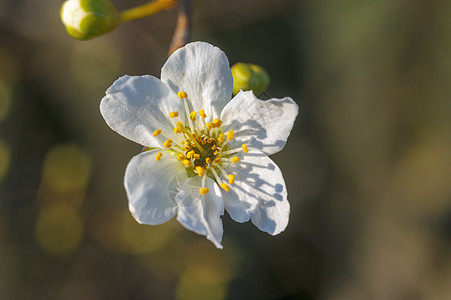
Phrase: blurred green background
(367, 166)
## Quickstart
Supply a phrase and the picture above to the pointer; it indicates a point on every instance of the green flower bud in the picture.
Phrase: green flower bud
(85, 19)
(249, 77)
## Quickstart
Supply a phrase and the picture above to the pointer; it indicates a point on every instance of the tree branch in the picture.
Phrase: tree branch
(182, 33)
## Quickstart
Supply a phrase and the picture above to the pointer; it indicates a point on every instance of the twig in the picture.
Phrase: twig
(182, 31)
(145, 10)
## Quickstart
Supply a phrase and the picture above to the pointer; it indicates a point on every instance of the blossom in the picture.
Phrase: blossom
(206, 151)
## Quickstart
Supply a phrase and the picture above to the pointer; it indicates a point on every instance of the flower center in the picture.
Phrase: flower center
(203, 158)
(204, 149)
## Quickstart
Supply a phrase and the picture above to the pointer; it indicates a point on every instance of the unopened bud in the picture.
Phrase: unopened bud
(249, 77)
(86, 19)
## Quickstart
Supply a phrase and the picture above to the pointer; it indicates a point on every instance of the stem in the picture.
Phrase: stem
(182, 31)
(145, 10)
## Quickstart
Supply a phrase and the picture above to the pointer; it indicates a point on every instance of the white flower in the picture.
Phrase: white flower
(207, 151)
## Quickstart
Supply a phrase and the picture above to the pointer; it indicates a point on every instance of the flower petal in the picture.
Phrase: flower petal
(203, 72)
(259, 193)
(201, 214)
(136, 106)
(149, 184)
(261, 124)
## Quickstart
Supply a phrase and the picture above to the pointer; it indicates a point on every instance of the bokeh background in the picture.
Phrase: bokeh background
(367, 166)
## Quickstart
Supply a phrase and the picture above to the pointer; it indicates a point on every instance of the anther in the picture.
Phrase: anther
(235, 159)
(225, 187)
(230, 135)
(168, 143)
(180, 125)
(209, 126)
(202, 113)
(158, 156)
(203, 191)
(173, 114)
(216, 123)
(208, 160)
(177, 130)
(181, 157)
(190, 154)
(245, 150)
(156, 132)
(200, 171)
(192, 116)
(196, 156)
(182, 95)
(221, 137)
(231, 178)
(186, 162)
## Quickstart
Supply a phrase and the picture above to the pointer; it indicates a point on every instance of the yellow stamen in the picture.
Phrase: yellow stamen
(167, 143)
(192, 138)
(192, 116)
(235, 159)
(231, 178)
(216, 152)
(156, 132)
(217, 159)
(221, 137)
(180, 125)
(196, 156)
(216, 123)
(208, 160)
(173, 114)
(186, 162)
(230, 135)
(213, 147)
(203, 191)
(181, 157)
(200, 171)
(209, 126)
(202, 113)
(225, 187)
(245, 150)
(182, 95)
(177, 130)
(190, 154)
(158, 156)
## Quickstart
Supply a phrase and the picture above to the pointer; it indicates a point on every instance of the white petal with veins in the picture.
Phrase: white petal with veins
(148, 184)
(199, 213)
(136, 106)
(259, 193)
(261, 124)
(203, 72)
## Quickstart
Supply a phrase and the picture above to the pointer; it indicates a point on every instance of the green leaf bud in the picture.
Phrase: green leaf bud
(249, 77)
(86, 19)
